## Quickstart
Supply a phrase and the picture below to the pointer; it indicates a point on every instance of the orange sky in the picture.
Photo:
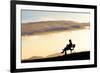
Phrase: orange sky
(46, 44)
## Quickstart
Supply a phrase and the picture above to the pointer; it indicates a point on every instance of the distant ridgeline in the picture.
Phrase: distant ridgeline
(32, 28)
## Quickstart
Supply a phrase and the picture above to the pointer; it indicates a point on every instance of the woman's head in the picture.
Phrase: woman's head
(70, 40)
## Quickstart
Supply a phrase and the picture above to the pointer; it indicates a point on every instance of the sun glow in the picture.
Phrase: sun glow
(49, 43)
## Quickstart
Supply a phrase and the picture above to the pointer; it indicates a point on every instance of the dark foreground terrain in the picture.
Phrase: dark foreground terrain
(74, 56)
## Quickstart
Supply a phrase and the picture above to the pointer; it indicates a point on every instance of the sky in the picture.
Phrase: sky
(47, 44)
(36, 16)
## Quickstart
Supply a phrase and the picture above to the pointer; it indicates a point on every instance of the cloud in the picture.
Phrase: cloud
(49, 26)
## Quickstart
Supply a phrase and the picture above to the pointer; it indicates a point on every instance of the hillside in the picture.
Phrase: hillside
(74, 56)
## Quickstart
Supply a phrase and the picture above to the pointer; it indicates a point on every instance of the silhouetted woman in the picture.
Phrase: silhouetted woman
(68, 47)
